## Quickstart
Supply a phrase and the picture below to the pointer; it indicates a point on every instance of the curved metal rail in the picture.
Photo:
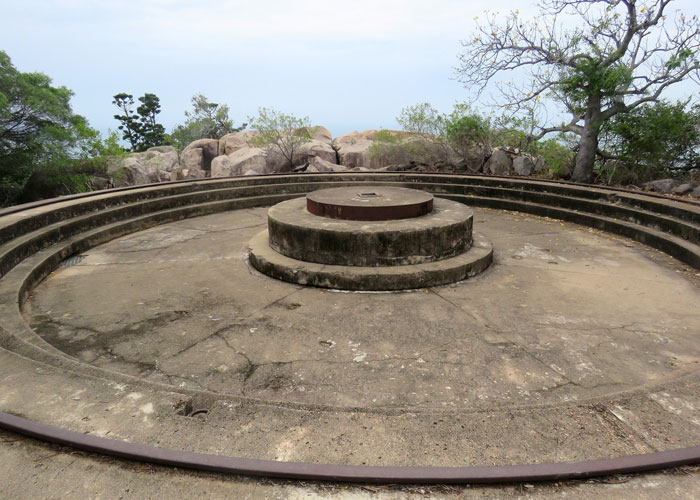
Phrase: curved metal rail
(352, 473)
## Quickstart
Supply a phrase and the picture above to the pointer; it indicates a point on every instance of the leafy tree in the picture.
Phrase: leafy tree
(280, 133)
(620, 55)
(140, 128)
(129, 123)
(469, 134)
(207, 120)
(429, 126)
(434, 137)
(657, 139)
(39, 132)
(558, 157)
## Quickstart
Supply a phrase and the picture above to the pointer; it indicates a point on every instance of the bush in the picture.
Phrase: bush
(279, 133)
(207, 120)
(558, 158)
(434, 138)
(390, 147)
(656, 140)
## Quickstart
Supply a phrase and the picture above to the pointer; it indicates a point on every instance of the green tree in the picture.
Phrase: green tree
(434, 137)
(429, 127)
(140, 127)
(279, 133)
(657, 139)
(38, 131)
(207, 120)
(620, 55)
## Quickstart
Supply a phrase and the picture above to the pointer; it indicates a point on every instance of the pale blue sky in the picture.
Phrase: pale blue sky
(346, 65)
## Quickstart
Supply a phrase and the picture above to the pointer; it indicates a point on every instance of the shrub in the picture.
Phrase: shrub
(660, 139)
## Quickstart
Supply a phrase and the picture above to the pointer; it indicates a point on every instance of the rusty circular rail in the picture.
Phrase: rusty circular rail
(352, 473)
(668, 225)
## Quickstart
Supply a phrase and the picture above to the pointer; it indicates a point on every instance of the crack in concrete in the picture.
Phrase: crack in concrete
(479, 321)
(216, 231)
(621, 429)
(277, 301)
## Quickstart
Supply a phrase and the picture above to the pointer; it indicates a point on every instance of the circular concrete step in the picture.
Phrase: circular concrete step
(269, 262)
(441, 234)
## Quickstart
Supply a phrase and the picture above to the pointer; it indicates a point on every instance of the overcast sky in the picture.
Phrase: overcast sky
(348, 65)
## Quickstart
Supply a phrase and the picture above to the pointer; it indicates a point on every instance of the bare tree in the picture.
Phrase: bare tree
(279, 133)
(620, 55)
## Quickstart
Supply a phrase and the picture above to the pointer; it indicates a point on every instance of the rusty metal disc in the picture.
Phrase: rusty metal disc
(370, 203)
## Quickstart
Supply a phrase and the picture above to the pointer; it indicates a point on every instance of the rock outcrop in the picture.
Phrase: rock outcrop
(523, 165)
(235, 154)
(153, 165)
(199, 155)
(242, 161)
(354, 150)
(230, 143)
(499, 163)
(661, 185)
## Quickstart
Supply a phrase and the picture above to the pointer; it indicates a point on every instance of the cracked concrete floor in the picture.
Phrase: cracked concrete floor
(574, 344)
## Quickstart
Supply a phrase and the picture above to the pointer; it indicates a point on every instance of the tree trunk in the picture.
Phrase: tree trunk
(585, 159)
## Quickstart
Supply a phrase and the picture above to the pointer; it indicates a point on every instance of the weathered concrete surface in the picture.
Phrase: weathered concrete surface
(443, 233)
(573, 345)
(380, 278)
(40, 471)
(35, 471)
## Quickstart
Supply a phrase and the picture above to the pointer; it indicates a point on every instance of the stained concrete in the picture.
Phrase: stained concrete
(443, 233)
(574, 345)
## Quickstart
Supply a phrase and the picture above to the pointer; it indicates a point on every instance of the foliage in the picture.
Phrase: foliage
(558, 157)
(390, 147)
(467, 132)
(427, 125)
(279, 133)
(207, 120)
(619, 55)
(40, 133)
(660, 139)
(140, 127)
(469, 138)
(435, 137)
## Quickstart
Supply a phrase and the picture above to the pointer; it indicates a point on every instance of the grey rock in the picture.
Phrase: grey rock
(230, 143)
(683, 189)
(320, 165)
(661, 185)
(152, 165)
(539, 164)
(499, 163)
(192, 158)
(314, 149)
(354, 150)
(523, 165)
(321, 134)
(695, 193)
(208, 150)
(244, 159)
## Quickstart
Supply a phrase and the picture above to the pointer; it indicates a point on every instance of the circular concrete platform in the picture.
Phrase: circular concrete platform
(370, 278)
(445, 232)
(575, 345)
(501, 354)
